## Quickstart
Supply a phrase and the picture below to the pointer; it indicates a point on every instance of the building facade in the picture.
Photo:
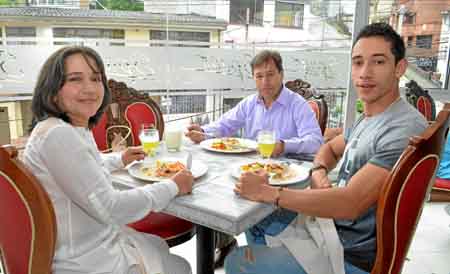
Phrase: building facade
(419, 23)
(55, 26)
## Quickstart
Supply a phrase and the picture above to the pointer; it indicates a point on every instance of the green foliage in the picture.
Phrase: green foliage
(12, 3)
(359, 106)
(121, 5)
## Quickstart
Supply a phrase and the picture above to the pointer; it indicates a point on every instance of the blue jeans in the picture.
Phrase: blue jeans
(272, 225)
(261, 259)
(258, 258)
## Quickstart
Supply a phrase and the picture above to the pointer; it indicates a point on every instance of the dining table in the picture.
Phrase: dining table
(212, 205)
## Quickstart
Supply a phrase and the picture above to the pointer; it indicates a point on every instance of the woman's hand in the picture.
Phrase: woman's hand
(319, 179)
(184, 181)
(253, 186)
(131, 154)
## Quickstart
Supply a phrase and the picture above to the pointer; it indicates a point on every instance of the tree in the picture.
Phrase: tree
(10, 3)
(121, 5)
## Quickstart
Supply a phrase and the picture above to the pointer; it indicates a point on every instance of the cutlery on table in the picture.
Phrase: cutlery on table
(189, 161)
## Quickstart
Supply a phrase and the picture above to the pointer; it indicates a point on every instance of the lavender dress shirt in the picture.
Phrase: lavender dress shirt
(289, 116)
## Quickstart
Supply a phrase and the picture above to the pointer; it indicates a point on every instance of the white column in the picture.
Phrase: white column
(362, 11)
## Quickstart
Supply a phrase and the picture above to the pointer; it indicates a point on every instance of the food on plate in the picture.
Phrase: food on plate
(226, 144)
(163, 169)
(277, 171)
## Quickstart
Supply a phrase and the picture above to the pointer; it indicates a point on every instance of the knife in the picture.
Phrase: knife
(189, 161)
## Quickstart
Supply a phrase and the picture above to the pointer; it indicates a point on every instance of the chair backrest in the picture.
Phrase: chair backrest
(28, 230)
(301, 87)
(100, 133)
(421, 100)
(320, 108)
(402, 197)
(316, 102)
(135, 108)
(127, 111)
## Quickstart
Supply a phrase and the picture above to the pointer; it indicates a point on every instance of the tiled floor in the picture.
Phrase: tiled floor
(429, 252)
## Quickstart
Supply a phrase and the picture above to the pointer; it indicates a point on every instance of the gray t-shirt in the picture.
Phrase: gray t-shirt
(378, 140)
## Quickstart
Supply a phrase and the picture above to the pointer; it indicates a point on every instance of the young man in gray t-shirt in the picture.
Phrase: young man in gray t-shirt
(377, 140)
(369, 151)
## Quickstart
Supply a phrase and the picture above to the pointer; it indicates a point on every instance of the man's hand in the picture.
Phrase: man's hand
(252, 186)
(278, 150)
(195, 133)
(131, 154)
(184, 181)
(319, 179)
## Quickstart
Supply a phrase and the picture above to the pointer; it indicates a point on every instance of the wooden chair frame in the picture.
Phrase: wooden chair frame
(122, 98)
(391, 252)
(40, 209)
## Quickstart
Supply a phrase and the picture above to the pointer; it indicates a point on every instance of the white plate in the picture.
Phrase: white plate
(300, 173)
(198, 169)
(247, 144)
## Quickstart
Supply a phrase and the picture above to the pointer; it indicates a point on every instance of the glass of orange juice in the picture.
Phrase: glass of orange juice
(266, 143)
(149, 137)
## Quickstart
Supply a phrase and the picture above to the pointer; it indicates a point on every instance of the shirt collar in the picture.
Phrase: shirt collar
(283, 99)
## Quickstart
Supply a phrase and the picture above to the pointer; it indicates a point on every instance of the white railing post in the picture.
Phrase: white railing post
(362, 12)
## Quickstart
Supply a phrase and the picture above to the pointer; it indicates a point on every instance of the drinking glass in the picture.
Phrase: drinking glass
(149, 137)
(173, 138)
(266, 143)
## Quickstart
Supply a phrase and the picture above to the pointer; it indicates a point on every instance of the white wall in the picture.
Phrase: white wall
(443, 48)
(269, 12)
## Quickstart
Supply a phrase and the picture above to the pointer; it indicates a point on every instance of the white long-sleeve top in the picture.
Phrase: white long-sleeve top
(91, 214)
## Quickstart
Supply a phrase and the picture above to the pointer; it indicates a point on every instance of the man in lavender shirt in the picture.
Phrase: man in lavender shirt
(274, 107)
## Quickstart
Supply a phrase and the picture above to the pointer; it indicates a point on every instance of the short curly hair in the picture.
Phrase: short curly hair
(389, 34)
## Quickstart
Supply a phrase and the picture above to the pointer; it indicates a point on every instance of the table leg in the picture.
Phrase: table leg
(205, 250)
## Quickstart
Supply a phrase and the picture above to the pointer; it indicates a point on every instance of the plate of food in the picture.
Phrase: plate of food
(280, 172)
(163, 169)
(229, 145)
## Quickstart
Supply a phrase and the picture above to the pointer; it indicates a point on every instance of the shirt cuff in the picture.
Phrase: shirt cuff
(290, 146)
(210, 132)
(173, 188)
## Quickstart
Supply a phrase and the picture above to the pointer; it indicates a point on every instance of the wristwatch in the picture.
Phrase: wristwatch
(317, 167)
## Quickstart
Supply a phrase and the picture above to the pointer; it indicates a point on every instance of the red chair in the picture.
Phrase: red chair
(320, 108)
(101, 134)
(137, 113)
(440, 191)
(421, 100)
(316, 102)
(28, 230)
(403, 195)
(135, 108)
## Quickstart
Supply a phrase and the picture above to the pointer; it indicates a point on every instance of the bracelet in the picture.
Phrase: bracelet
(317, 167)
(277, 198)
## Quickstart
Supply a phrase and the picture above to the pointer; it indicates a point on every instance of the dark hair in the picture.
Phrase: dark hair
(266, 55)
(52, 78)
(389, 34)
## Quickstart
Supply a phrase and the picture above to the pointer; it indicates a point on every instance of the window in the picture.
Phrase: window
(180, 36)
(23, 33)
(53, 3)
(186, 104)
(238, 12)
(424, 41)
(409, 43)
(289, 14)
(89, 34)
(409, 18)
